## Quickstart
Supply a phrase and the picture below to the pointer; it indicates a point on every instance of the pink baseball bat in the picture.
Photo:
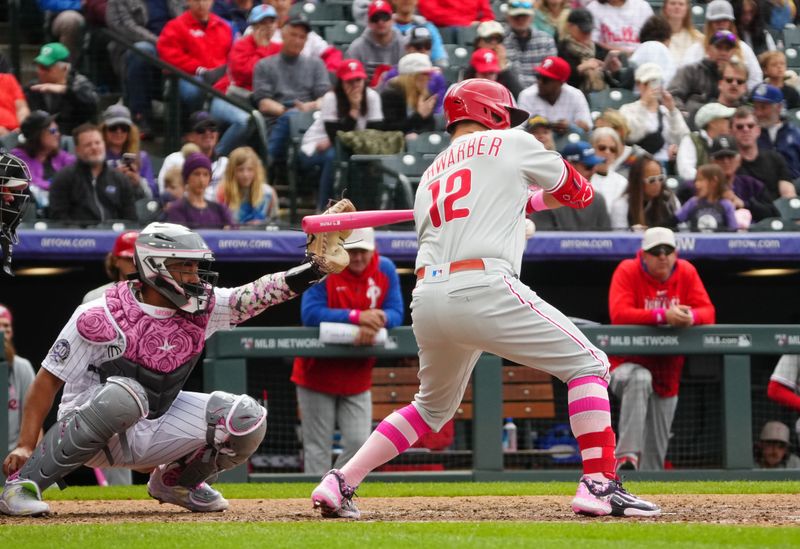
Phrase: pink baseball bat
(354, 220)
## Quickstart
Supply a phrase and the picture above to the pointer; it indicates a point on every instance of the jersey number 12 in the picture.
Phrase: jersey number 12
(457, 186)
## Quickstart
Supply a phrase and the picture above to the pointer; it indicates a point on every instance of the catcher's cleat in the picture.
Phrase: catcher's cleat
(200, 499)
(610, 498)
(22, 498)
(334, 497)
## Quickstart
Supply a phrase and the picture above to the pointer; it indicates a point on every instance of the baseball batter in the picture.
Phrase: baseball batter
(123, 359)
(470, 217)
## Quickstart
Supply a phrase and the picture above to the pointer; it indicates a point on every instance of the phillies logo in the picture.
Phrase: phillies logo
(547, 63)
(602, 340)
(246, 343)
(353, 66)
(488, 57)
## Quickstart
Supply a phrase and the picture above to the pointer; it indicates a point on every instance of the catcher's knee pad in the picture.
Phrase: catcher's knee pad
(77, 437)
(236, 426)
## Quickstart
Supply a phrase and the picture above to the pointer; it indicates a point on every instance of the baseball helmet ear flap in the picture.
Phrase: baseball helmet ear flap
(483, 101)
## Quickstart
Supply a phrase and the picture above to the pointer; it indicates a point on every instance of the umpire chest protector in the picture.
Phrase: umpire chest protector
(159, 353)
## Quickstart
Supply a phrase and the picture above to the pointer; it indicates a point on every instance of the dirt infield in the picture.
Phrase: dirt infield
(760, 510)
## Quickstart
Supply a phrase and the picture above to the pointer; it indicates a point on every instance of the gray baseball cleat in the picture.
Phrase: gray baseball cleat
(200, 499)
(610, 498)
(22, 498)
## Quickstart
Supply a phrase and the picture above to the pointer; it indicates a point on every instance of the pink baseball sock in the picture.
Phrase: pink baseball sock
(392, 437)
(590, 419)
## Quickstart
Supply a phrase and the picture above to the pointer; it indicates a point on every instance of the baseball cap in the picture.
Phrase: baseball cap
(647, 72)
(583, 153)
(200, 120)
(490, 28)
(723, 38)
(766, 93)
(117, 114)
(775, 431)
(299, 21)
(555, 68)
(379, 6)
(5, 313)
(52, 53)
(520, 7)
(582, 19)
(350, 69)
(537, 121)
(712, 111)
(261, 12)
(413, 63)
(34, 123)
(658, 236)
(361, 239)
(420, 37)
(125, 244)
(485, 60)
(719, 10)
(194, 161)
(724, 145)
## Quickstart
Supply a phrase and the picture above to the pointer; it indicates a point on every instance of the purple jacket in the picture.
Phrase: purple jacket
(59, 160)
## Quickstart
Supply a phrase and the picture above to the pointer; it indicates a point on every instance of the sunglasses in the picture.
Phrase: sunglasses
(526, 5)
(653, 179)
(661, 249)
(494, 39)
(379, 17)
(744, 126)
(604, 148)
(53, 131)
(730, 80)
(724, 36)
(118, 128)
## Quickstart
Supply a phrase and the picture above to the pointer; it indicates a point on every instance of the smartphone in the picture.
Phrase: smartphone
(129, 159)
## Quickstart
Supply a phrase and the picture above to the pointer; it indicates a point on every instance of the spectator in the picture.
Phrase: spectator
(540, 128)
(606, 180)
(203, 132)
(750, 26)
(679, 16)
(563, 105)
(592, 218)
(584, 57)
(526, 47)
(20, 377)
(235, 13)
(656, 288)
(621, 159)
(64, 20)
(193, 210)
(490, 35)
(197, 42)
(380, 45)
(351, 105)
(406, 19)
(773, 449)
(745, 191)
(40, 149)
(455, 13)
(118, 263)
(551, 17)
(695, 85)
(654, 48)
(784, 384)
(60, 90)
(708, 210)
(337, 391)
(485, 64)
(617, 23)
(13, 105)
(765, 165)
(89, 192)
(407, 104)
(315, 45)
(778, 14)
(719, 18)
(286, 84)
(773, 63)
(123, 153)
(245, 191)
(140, 22)
(712, 120)
(655, 123)
(647, 202)
(776, 134)
(733, 84)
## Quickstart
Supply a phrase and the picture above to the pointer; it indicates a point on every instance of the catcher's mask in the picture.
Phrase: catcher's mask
(14, 180)
(176, 262)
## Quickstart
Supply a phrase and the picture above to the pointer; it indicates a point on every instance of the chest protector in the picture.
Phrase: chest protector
(159, 353)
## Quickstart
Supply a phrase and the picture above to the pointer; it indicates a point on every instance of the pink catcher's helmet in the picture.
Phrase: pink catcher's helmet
(483, 101)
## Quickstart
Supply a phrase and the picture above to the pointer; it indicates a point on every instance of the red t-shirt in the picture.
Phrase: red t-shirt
(455, 13)
(635, 297)
(10, 93)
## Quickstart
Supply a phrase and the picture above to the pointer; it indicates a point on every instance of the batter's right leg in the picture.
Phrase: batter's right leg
(74, 440)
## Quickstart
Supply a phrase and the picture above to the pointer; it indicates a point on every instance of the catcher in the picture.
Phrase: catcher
(123, 359)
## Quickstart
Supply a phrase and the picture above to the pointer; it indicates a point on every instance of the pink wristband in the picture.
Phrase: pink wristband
(353, 316)
(536, 203)
(661, 315)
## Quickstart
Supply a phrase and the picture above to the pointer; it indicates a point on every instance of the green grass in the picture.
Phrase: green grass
(386, 535)
(432, 489)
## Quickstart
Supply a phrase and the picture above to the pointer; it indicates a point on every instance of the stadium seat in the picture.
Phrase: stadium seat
(611, 98)
(342, 34)
(791, 37)
(320, 16)
(466, 36)
(789, 208)
(430, 143)
(296, 177)
(458, 55)
(698, 15)
(453, 74)
(500, 8)
(9, 140)
(147, 210)
(771, 225)
(793, 116)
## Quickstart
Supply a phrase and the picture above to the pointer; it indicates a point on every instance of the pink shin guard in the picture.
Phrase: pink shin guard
(590, 419)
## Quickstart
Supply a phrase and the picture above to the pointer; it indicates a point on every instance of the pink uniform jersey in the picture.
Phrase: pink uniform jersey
(471, 201)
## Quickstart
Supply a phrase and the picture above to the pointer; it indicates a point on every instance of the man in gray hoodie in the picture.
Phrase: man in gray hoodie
(380, 45)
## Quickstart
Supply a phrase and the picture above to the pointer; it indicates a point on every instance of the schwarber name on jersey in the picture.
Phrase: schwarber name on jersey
(470, 202)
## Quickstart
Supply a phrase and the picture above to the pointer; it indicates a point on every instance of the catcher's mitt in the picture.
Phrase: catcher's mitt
(325, 249)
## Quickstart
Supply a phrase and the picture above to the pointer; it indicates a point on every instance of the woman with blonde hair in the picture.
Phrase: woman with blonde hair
(678, 14)
(407, 104)
(550, 16)
(245, 191)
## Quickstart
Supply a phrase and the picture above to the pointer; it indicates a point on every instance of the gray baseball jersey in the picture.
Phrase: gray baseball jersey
(787, 372)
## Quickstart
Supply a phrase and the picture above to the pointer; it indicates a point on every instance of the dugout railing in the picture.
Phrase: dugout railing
(227, 354)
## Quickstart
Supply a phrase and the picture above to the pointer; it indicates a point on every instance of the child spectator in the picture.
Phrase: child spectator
(707, 210)
(773, 63)
(245, 191)
(193, 210)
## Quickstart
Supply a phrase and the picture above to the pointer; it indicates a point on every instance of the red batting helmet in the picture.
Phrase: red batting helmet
(483, 101)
